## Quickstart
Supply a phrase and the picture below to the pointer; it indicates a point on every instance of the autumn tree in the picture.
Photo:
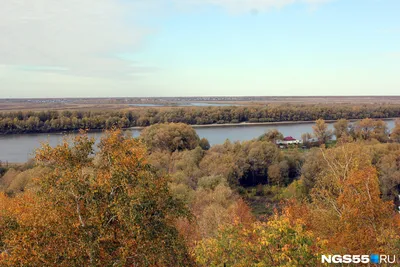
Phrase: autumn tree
(306, 138)
(395, 134)
(381, 131)
(363, 129)
(105, 209)
(367, 129)
(271, 136)
(341, 128)
(278, 173)
(260, 155)
(275, 243)
(204, 144)
(227, 160)
(170, 137)
(388, 165)
(364, 217)
(346, 209)
(321, 131)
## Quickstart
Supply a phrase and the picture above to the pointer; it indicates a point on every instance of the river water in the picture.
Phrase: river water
(20, 147)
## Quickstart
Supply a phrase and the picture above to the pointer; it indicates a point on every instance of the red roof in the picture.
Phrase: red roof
(289, 138)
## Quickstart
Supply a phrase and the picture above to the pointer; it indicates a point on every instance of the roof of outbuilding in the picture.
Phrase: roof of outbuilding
(289, 138)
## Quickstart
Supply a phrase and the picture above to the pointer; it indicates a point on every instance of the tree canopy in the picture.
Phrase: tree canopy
(52, 120)
(103, 209)
(170, 137)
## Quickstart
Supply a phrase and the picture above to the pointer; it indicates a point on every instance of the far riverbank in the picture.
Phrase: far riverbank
(245, 124)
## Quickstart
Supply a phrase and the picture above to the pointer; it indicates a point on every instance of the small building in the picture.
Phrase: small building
(289, 141)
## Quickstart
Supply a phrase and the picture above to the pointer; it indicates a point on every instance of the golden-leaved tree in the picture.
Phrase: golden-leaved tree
(321, 131)
(278, 242)
(102, 209)
(346, 209)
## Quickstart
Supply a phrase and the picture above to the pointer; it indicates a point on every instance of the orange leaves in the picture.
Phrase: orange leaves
(346, 210)
(122, 152)
(275, 243)
(32, 229)
(69, 152)
(361, 193)
(364, 215)
(111, 209)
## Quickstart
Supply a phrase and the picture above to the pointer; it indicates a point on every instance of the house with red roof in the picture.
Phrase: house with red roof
(288, 140)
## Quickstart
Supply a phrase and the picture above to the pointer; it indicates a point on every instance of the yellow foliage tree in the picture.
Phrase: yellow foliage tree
(108, 209)
(346, 209)
(275, 243)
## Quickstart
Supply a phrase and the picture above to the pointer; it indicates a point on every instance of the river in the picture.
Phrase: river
(19, 148)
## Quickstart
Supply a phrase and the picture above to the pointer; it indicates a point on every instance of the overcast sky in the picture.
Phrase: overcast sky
(104, 48)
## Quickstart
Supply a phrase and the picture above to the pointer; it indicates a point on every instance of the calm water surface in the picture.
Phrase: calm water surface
(20, 147)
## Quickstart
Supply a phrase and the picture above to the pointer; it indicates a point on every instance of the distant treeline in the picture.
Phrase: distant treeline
(53, 121)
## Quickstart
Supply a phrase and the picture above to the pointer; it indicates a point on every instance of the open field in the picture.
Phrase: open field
(38, 104)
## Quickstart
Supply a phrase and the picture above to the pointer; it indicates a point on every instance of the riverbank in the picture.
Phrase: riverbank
(249, 124)
(214, 125)
(20, 147)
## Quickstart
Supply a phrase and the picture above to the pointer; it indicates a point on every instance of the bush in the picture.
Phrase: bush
(7, 178)
(259, 190)
(210, 182)
(204, 144)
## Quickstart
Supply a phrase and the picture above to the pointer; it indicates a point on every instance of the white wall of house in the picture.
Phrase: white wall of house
(294, 142)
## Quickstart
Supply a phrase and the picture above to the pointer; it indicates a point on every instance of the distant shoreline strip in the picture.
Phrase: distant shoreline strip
(249, 124)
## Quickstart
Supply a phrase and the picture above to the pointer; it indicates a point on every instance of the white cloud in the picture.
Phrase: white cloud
(239, 6)
(70, 47)
(78, 35)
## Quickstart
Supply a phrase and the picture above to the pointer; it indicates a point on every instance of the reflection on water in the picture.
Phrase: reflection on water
(20, 147)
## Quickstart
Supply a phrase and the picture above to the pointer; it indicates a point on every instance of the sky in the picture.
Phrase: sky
(149, 48)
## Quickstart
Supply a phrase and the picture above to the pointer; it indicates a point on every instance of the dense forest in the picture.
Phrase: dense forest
(50, 121)
(169, 199)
